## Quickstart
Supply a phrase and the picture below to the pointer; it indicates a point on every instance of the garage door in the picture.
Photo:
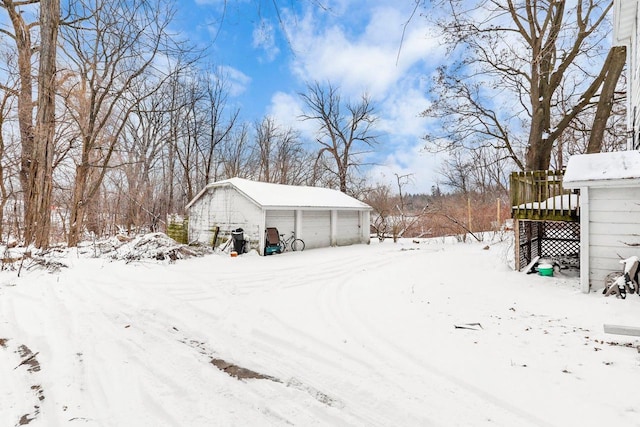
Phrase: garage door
(348, 228)
(284, 221)
(316, 229)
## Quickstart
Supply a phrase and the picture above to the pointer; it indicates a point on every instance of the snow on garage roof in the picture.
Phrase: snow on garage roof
(617, 168)
(288, 196)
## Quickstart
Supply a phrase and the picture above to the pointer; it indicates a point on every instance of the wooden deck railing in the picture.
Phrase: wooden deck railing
(539, 195)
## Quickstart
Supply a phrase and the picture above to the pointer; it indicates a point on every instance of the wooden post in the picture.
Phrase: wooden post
(498, 211)
(214, 242)
(469, 212)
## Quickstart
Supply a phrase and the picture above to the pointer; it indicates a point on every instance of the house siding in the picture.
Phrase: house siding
(284, 221)
(625, 33)
(633, 115)
(223, 207)
(626, 15)
(315, 229)
(614, 224)
(348, 228)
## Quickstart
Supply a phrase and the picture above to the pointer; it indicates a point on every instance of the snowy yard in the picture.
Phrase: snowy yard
(351, 336)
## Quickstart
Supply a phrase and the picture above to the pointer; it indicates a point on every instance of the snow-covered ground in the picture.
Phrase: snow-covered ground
(353, 336)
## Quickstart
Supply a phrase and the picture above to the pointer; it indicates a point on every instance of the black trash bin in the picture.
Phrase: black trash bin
(238, 240)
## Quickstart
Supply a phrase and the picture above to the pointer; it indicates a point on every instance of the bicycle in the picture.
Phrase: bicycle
(291, 242)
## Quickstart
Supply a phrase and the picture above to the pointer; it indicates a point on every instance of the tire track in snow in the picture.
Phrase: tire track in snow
(338, 305)
(342, 301)
(376, 409)
(92, 335)
(271, 350)
(86, 364)
(333, 355)
(145, 320)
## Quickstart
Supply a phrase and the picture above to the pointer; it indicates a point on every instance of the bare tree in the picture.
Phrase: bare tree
(393, 213)
(293, 162)
(266, 134)
(481, 170)
(10, 150)
(523, 73)
(25, 49)
(187, 127)
(37, 139)
(200, 120)
(111, 53)
(143, 140)
(219, 127)
(585, 130)
(279, 154)
(40, 183)
(381, 200)
(342, 135)
(235, 153)
(613, 67)
(4, 193)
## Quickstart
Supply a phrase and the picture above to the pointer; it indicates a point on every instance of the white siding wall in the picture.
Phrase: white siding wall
(348, 228)
(284, 221)
(625, 33)
(365, 220)
(614, 225)
(633, 95)
(315, 229)
(226, 208)
(633, 67)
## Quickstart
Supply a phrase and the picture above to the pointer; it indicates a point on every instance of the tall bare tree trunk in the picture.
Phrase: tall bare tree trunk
(22, 39)
(38, 224)
(4, 196)
(78, 205)
(614, 65)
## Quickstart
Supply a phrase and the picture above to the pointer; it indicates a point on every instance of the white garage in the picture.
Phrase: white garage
(320, 216)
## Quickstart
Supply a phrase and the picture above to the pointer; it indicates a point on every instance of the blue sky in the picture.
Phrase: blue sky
(354, 44)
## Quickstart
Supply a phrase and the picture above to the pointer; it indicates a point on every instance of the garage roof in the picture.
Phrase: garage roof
(618, 168)
(269, 195)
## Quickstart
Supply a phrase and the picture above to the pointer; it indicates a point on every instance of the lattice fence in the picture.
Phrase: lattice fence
(558, 240)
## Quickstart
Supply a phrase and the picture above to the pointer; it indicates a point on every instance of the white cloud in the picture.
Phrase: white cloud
(264, 38)
(210, 2)
(422, 166)
(359, 59)
(286, 109)
(237, 80)
(400, 112)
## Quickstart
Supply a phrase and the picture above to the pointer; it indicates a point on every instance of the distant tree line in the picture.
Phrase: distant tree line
(445, 211)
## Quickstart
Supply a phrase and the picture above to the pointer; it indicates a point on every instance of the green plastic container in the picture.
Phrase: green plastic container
(545, 269)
